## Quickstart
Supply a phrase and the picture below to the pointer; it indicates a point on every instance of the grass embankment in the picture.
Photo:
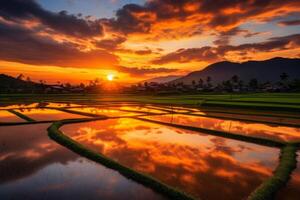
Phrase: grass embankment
(269, 188)
(58, 136)
(250, 139)
(259, 101)
(26, 118)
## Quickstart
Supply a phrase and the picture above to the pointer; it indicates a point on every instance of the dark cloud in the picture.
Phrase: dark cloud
(289, 23)
(133, 18)
(110, 44)
(21, 45)
(138, 71)
(209, 54)
(62, 22)
(224, 37)
(186, 55)
(143, 52)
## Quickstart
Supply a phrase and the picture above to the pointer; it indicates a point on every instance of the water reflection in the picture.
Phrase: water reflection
(275, 119)
(60, 105)
(107, 111)
(178, 109)
(239, 127)
(198, 164)
(41, 114)
(292, 189)
(15, 106)
(6, 116)
(34, 167)
(251, 112)
(141, 109)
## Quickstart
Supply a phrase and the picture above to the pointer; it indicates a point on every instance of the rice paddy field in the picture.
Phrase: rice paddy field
(83, 148)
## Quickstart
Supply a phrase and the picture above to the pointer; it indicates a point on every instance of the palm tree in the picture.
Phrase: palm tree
(20, 77)
(200, 83)
(193, 83)
(208, 81)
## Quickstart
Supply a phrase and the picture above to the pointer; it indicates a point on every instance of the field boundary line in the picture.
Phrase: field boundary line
(148, 181)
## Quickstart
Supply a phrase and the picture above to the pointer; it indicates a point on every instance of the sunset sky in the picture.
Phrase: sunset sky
(80, 40)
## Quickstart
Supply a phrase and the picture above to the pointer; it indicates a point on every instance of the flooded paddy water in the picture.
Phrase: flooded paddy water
(33, 166)
(232, 126)
(107, 111)
(196, 163)
(44, 114)
(6, 116)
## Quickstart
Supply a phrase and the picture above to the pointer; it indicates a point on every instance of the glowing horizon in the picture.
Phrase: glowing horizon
(141, 40)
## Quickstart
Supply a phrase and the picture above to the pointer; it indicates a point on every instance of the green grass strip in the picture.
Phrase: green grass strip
(55, 134)
(269, 188)
(251, 106)
(255, 101)
(28, 119)
(250, 139)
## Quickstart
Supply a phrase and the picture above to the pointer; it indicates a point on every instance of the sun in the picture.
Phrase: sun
(110, 77)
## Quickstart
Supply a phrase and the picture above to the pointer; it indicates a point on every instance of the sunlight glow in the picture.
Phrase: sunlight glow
(110, 77)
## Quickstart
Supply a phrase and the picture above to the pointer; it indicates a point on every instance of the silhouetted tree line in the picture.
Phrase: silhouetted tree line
(234, 84)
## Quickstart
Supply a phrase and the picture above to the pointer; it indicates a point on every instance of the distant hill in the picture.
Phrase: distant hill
(9, 84)
(162, 79)
(267, 70)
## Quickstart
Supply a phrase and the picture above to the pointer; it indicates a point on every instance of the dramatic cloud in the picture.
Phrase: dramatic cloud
(23, 46)
(289, 23)
(139, 34)
(216, 53)
(18, 10)
(138, 71)
(110, 44)
(134, 18)
(225, 36)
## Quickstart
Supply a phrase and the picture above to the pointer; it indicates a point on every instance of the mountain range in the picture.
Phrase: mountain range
(267, 70)
(162, 79)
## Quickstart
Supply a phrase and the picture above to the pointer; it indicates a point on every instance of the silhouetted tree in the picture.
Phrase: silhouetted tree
(284, 76)
(208, 81)
(200, 83)
(253, 84)
(235, 79)
(81, 85)
(20, 77)
(68, 85)
(193, 83)
(227, 85)
(145, 84)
